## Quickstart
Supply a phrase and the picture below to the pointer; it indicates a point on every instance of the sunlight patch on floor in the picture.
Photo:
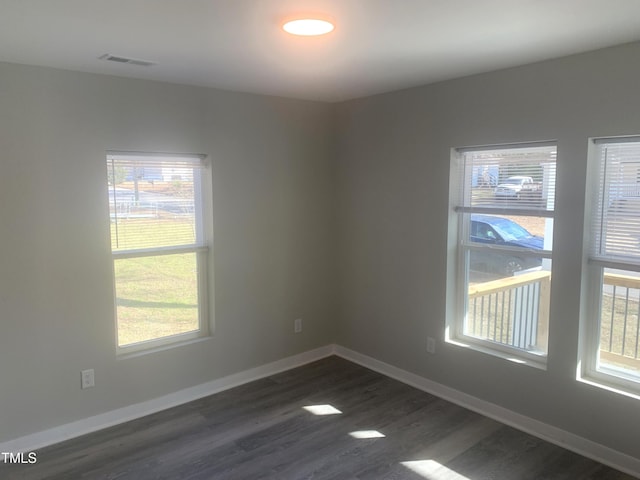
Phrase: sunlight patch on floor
(322, 409)
(432, 470)
(366, 434)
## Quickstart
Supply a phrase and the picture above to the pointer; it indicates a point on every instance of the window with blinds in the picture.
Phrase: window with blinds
(505, 207)
(613, 329)
(159, 247)
(521, 178)
(616, 223)
(153, 201)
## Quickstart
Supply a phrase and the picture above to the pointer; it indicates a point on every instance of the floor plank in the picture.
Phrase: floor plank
(262, 430)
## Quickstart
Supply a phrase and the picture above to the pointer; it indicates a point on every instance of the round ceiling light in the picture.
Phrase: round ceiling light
(308, 27)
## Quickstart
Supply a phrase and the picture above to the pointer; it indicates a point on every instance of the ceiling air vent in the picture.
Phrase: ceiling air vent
(132, 61)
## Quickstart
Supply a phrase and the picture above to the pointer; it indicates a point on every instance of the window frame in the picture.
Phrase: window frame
(590, 370)
(201, 248)
(459, 231)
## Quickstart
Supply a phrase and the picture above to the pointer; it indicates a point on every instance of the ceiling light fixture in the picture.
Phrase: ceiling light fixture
(308, 27)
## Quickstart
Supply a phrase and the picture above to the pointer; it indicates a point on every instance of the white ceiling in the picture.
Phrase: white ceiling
(377, 46)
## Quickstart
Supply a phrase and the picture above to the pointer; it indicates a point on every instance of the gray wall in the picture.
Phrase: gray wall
(393, 181)
(273, 226)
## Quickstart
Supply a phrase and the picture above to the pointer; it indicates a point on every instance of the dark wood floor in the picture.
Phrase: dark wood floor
(262, 431)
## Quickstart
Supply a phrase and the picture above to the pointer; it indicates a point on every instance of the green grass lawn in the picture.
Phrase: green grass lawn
(156, 297)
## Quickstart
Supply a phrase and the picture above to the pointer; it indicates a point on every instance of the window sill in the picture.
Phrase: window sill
(124, 353)
(609, 383)
(514, 357)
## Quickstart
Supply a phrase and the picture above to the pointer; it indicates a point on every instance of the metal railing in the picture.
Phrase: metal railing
(512, 311)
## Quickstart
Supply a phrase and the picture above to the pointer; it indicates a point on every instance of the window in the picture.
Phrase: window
(613, 330)
(503, 199)
(159, 248)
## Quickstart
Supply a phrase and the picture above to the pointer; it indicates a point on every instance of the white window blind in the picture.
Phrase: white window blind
(519, 178)
(154, 201)
(616, 235)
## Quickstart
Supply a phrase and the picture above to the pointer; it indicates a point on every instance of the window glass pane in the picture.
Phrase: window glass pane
(151, 204)
(508, 308)
(514, 178)
(532, 233)
(156, 297)
(617, 214)
(619, 327)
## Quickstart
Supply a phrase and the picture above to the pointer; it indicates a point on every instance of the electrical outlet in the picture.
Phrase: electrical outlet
(431, 345)
(88, 378)
(297, 325)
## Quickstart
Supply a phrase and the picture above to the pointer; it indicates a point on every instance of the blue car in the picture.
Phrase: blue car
(492, 230)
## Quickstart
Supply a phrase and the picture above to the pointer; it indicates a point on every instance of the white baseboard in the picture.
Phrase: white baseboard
(557, 436)
(38, 440)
